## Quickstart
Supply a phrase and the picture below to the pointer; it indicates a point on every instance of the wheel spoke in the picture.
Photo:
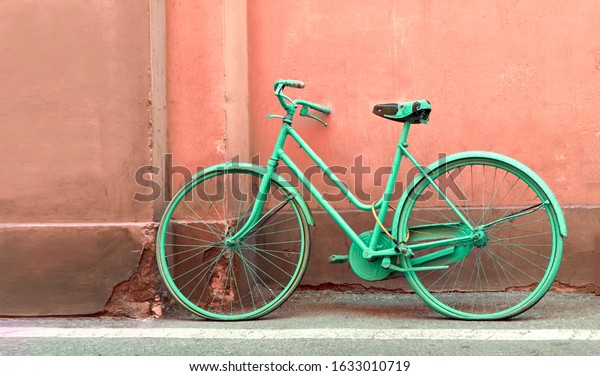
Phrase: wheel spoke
(243, 280)
(508, 270)
(271, 254)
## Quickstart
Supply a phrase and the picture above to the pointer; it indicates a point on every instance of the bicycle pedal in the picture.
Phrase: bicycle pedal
(338, 259)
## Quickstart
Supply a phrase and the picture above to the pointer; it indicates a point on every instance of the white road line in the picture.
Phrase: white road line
(324, 333)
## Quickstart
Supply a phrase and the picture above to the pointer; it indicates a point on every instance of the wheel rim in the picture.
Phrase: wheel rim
(222, 281)
(512, 264)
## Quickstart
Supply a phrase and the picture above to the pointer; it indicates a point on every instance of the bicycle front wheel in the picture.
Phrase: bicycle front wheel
(517, 253)
(237, 282)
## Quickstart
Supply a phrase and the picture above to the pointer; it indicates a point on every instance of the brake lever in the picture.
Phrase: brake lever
(304, 112)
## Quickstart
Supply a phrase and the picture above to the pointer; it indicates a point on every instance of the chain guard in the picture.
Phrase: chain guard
(370, 270)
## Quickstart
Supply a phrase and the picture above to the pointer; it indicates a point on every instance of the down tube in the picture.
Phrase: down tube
(329, 173)
(324, 203)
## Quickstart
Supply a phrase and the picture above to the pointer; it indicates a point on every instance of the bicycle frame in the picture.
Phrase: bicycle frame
(228, 267)
(369, 250)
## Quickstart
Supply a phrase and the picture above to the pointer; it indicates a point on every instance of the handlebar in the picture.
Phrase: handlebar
(315, 106)
(291, 83)
(291, 107)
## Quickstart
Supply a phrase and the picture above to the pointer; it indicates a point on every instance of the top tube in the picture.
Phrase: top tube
(338, 183)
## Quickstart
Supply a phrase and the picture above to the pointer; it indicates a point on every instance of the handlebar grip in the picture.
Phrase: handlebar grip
(319, 107)
(315, 106)
(291, 83)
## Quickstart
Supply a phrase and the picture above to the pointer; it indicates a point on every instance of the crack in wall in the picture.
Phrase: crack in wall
(563, 287)
(143, 295)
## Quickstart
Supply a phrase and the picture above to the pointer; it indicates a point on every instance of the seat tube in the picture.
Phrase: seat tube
(389, 190)
(404, 136)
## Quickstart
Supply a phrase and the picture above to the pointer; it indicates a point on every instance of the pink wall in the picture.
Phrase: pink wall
(518, 78)
(74, 110)
(195, 88)
(207, 89)
(75, 126)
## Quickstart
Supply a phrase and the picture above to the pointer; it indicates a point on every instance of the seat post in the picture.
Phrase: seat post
(404, 136)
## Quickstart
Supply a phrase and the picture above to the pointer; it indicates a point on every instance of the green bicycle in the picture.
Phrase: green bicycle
(477, 235)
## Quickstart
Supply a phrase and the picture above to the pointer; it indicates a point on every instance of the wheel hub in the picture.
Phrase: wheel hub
(480, 238)
(232, 244)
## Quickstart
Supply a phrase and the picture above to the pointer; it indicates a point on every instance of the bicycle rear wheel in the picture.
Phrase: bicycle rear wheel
(236, 282)
(515, 260)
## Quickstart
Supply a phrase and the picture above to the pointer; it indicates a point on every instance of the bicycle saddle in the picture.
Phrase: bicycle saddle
(414, 112)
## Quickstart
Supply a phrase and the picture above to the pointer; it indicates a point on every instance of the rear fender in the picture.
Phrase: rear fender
(482, 154)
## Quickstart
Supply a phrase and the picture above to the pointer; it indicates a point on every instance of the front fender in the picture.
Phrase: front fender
(489, 155)
(284, 183)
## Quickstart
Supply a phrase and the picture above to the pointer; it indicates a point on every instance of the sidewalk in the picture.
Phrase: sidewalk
(321, 323)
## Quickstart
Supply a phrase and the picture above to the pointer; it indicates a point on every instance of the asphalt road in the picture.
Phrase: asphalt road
(321, 323)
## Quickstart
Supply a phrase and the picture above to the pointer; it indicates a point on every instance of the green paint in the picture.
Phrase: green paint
(461, 232)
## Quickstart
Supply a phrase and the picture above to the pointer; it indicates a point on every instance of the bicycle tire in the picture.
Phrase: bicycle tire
(218, 282)
(515, 267)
